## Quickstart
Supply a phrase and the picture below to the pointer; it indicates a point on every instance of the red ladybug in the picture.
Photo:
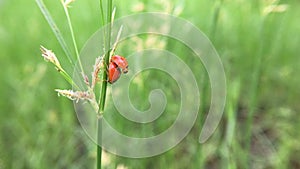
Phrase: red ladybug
(116, 64)
(121, 62)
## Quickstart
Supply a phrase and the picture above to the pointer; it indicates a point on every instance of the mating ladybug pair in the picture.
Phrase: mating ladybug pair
(117, 65)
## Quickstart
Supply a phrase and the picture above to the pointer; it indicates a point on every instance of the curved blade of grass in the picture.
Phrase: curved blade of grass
(102, 13)
(102, 22)
(55, 30)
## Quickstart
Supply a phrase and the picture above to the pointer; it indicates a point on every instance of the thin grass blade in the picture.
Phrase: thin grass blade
(55, 30)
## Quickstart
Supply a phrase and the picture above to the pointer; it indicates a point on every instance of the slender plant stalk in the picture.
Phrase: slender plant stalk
(254, 88)
(200, 157)
(102, 97)
(256, 75)
(227, 147)
(215, 19)
(102, 13)
(72, 35)
(106, 60)
(99, 139)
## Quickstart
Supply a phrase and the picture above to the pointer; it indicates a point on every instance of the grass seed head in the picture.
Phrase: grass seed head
(75, 95)
(97, 68)
(67, 3)
(85, 79)
(49, 56)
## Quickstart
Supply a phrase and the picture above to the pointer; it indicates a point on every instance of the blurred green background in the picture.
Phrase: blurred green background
(258, 42)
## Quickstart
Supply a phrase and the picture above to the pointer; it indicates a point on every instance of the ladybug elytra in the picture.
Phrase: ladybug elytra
(116, 64)
(121, 62)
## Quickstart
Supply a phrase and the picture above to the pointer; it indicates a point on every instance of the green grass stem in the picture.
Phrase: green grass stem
(102, 97)
(72, 35)
(253, 98)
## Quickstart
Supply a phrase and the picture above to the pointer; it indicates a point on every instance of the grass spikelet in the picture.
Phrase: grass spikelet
(97, 68)
(49, 56)
(75, 95)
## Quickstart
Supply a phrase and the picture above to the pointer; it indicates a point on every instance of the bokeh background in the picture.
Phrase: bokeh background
(258, 43)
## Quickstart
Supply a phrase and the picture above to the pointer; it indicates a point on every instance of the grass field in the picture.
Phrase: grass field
(258, 43)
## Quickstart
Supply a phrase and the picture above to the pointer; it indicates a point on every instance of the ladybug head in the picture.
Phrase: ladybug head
(125, 70)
